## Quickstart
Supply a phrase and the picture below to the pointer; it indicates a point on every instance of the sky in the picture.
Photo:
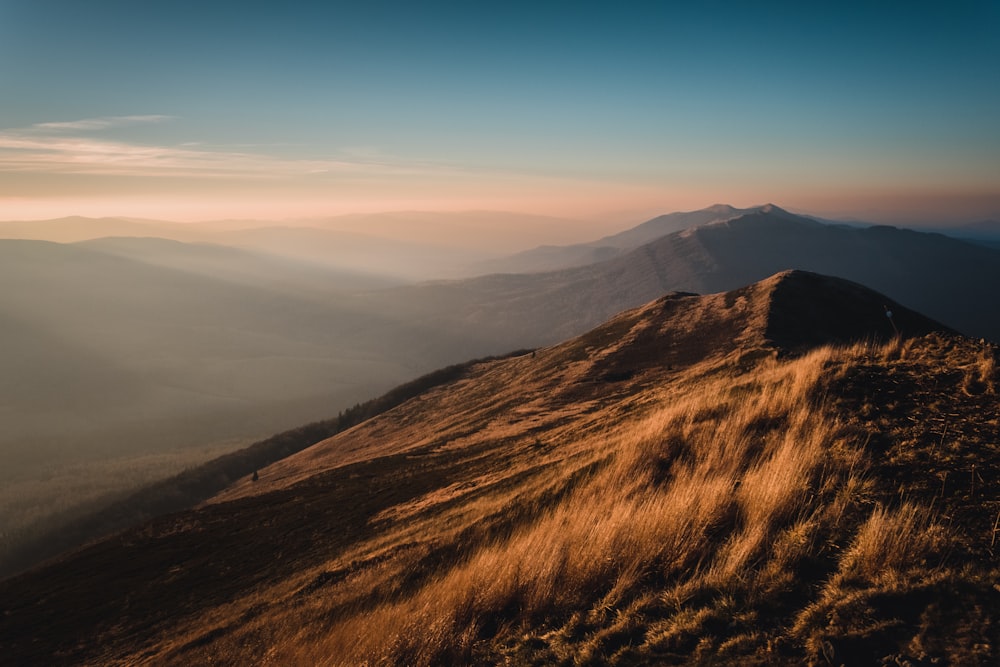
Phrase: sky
(620, 111)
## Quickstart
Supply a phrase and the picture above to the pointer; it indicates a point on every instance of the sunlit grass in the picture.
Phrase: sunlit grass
(762, 514)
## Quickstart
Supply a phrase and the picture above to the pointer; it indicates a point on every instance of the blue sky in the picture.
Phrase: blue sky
(197, 110)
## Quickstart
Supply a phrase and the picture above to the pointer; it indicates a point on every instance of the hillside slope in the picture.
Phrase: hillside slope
(693, 481)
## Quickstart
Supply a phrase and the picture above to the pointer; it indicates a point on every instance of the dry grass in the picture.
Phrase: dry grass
(725, 514)
(717, 506)
(981, 376)
(718, 493)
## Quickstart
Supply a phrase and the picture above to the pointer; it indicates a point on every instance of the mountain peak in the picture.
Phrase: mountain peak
(722, 209)
(766, 214)
(774, 210)
(789, 312)
(726, 209)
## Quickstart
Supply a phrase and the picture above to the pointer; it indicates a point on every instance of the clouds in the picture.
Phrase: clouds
(120, 165)
(103, 123)
(114, 165)
(123, 165)
(87, 146)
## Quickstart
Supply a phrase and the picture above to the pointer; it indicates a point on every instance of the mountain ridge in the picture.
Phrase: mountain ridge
(922, 270)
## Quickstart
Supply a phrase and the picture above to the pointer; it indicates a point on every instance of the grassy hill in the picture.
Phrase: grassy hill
(742, 478)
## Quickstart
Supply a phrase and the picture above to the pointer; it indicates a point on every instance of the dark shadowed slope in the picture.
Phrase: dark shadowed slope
(808, 310)
(663, 489)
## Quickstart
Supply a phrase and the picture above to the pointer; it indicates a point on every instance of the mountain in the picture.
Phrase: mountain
(948, 279)
(786, 314)
(356, 252)
(475, 233)
(403, 246)
(701, 479)
(193, 334)
(549, 257)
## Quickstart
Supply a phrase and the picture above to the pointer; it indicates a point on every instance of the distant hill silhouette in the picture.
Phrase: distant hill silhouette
(414, 245)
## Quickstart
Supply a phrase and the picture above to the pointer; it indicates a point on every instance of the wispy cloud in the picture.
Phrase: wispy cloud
(102, 123)
(72, 148)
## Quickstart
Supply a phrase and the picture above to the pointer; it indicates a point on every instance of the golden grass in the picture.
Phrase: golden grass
(981, 377)
(725, 517)
(717, 488)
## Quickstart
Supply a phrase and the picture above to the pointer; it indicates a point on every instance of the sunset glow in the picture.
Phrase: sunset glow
(188, 113)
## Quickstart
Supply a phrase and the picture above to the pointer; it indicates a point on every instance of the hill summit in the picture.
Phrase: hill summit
(764, 476)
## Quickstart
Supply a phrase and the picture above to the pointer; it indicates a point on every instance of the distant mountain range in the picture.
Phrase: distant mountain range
(948, 279)
(403, 246)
